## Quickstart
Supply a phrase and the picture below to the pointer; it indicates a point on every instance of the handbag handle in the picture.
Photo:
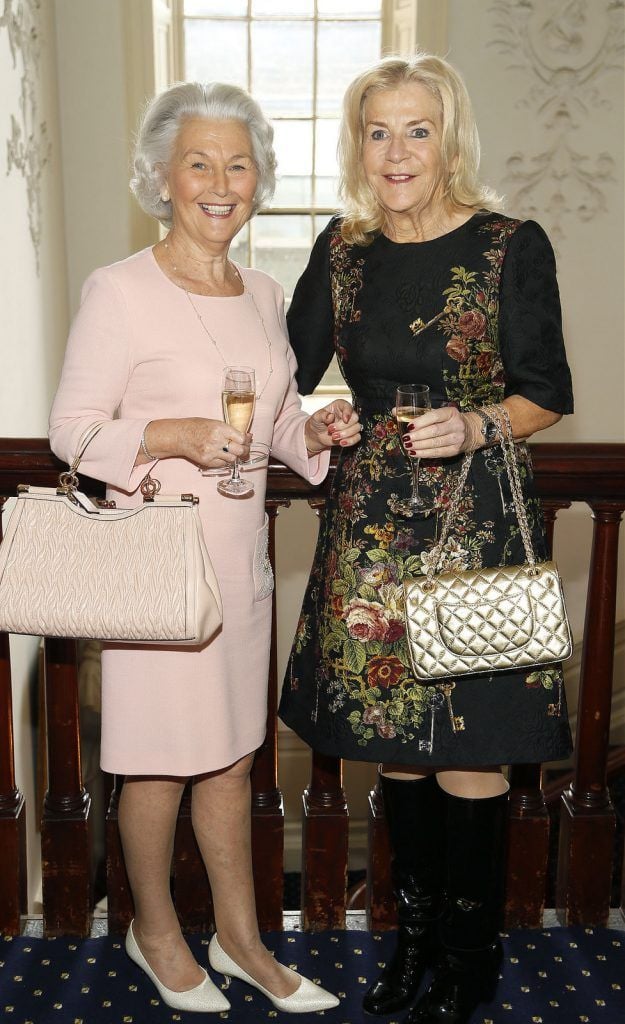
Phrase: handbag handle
(69, 482)
(498, 415)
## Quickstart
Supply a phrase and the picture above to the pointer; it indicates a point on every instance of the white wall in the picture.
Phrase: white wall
(95, 136)
(34, 314)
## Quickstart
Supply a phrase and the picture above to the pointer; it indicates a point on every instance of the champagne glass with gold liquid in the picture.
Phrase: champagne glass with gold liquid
(238, 399)
(412, 400)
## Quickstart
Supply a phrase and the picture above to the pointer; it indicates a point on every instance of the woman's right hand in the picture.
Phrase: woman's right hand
(209, 444)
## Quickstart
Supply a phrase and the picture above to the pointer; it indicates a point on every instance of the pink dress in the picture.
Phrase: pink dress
(138, 352)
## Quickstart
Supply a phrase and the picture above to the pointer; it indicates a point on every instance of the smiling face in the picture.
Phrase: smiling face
(212, 181)
(402, 156)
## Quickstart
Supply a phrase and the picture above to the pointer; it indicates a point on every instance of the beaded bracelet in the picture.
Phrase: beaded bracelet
(144, 447)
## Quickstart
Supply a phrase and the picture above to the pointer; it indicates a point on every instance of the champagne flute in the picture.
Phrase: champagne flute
(412, 400)
(238, 399)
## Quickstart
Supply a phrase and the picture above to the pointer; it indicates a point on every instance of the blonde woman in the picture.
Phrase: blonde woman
(420, 282)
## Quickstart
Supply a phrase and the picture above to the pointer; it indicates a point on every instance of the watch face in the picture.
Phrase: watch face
(489, 430)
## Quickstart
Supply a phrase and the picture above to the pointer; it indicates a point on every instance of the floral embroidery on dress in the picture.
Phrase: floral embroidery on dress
(346, 279)
(350, 673)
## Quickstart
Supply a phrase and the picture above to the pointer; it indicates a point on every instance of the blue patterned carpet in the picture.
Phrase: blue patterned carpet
(553, 976)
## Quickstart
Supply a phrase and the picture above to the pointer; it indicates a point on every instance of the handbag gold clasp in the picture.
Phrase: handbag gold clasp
(150, 487)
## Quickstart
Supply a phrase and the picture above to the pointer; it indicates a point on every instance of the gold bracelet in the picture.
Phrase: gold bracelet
(144, 447)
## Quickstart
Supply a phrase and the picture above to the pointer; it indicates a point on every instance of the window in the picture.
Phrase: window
(296, 58)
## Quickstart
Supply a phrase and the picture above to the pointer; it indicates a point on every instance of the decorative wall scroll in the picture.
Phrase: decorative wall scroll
(28, 148)
(565, 49)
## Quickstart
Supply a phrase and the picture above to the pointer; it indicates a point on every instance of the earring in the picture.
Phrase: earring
(165, 195)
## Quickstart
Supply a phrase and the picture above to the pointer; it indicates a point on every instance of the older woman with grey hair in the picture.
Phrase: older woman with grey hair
(146, 355)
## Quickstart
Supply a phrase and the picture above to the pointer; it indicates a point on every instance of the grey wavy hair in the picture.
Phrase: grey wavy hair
(161, 122)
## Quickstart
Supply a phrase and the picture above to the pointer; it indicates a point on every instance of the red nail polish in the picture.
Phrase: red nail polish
(411, 426)
(408, 444)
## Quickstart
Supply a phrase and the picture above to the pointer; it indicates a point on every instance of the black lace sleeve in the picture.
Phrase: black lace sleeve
(310, 318)
(530, 322)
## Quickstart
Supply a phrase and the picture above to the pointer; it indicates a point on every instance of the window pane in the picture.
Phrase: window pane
(282, 59)
(282, 7)
(321, 221)
(281, 247)
(216, 51)
(344, 50)
(293, 145)
(229, 7)
(326, 170)
(349, 8)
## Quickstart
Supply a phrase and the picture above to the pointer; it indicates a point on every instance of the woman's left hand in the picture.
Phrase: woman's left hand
(437, 434)
(335, 424)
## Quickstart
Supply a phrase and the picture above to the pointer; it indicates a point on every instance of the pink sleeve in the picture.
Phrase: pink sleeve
(289, 445)
(95, 374)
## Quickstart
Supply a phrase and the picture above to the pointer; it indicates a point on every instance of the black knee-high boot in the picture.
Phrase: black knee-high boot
(468, 970)
(414, 810)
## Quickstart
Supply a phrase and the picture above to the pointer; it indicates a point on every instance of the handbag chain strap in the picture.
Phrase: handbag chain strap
(498, 415)
(69, 482)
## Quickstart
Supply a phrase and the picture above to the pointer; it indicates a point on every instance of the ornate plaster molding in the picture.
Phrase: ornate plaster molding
(28, 148)
(564, 48)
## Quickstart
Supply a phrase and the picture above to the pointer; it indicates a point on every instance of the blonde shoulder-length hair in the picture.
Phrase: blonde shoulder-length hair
(363, 216)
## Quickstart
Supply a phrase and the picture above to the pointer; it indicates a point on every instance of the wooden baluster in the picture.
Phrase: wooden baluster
(65, 847)
(381, 905)
(12, 810)
(623, 886)
(551, 508)
(13, 877)
(587, 820)
(267, 804)
(324, 846)
(119, 896)
(192, 894)
(324, 837)
(528, 830)
(528, 849)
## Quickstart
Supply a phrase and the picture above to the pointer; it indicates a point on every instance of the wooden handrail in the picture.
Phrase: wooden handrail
(593, 474)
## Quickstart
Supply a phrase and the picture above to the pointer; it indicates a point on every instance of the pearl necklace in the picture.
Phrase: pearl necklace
(213, 339)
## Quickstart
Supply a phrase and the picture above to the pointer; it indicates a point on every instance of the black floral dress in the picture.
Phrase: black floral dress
(349, 690)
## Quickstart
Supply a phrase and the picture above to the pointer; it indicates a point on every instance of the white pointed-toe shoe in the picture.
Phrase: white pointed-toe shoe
(203, 998)
(306, 999)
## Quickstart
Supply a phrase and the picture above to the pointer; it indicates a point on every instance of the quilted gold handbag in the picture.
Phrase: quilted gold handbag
(72, 568)
(486, 620)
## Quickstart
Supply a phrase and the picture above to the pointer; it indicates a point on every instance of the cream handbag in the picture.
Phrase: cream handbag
(72, 568)
(486, 620)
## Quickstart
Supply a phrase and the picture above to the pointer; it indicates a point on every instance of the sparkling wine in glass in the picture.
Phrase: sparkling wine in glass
(412, 400)
(238, 399)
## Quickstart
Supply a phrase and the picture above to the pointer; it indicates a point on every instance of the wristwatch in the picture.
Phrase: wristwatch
(488, 429)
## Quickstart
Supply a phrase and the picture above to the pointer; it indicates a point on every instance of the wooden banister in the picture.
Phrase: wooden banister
(65, 848)
(12, 810)
(587, 820)
(593, 474)
(267, 804)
